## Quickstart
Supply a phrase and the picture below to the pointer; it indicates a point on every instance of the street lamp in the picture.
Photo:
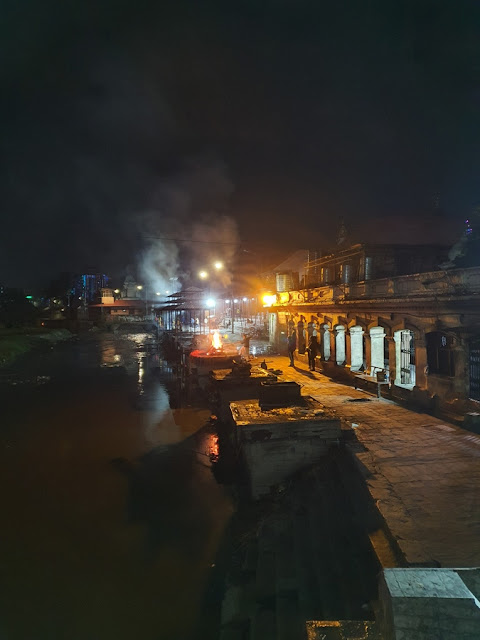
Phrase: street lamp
(218, 265)
(203, 275)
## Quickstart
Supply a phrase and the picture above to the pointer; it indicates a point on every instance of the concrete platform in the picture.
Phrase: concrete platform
(423, 473)
(277, 442)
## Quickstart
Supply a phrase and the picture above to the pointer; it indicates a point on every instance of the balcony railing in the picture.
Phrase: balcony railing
(457, 282)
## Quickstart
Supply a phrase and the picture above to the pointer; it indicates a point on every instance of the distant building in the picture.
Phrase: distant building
(392, 310)
(86, 286)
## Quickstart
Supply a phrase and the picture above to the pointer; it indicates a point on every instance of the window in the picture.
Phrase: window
(474, 370)
(440, 353)
(407, 358)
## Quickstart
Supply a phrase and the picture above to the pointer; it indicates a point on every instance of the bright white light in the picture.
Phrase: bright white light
(245, 299)
(202, 275)
(210, 302)
(227, 301)
(158, 293)
(269, 299)
(236, 300)
(139, 287)
(167, 291)
(218, 265)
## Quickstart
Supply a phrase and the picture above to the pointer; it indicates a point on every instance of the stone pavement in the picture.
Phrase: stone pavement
(424, 474)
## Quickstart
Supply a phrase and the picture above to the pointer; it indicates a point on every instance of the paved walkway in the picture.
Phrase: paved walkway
(424, 474)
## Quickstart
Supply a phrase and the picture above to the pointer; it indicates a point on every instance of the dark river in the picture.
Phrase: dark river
(111, 515)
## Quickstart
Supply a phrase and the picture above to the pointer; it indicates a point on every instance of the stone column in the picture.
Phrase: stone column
(377, 337)
(325, 342)
(356, 346)
(340, 354)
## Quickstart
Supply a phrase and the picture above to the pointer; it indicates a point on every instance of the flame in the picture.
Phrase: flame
(216, 341)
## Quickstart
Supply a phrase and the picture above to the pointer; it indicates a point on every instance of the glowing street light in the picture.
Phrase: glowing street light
(116, 291)
(158, 293)
(210, 303)
(203, 275)
(269, 299)
(218, 265)
(139, 287)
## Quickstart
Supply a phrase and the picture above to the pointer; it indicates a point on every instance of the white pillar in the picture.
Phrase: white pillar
(398, 374)
(339, 344)
(325, 334)
(356, 347)
(377, 347)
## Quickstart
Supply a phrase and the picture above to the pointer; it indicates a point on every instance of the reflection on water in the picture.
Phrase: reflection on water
(111, 514)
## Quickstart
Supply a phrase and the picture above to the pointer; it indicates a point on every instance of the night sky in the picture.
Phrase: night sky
(123, 119)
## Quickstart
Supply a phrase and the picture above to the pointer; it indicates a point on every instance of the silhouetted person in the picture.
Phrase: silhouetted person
(292, 345)
(312, 349)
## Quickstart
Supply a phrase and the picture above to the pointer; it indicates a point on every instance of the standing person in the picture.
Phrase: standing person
(245, 350)
(292, 345)
(312, 351)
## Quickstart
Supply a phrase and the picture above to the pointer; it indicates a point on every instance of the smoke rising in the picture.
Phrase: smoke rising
(188, 229)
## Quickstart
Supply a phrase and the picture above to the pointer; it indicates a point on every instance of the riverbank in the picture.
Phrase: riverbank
(17, 342)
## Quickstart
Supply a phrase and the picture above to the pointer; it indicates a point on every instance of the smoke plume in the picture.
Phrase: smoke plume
(188, 230)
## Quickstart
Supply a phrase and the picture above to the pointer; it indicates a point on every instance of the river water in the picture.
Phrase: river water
(111, 515)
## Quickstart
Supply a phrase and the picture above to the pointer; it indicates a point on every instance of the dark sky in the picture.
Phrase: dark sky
(285, 115)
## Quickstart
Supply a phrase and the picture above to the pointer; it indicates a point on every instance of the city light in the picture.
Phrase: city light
(116, 291)
(269, 299)
(227, 301)
(236, 300)
(210, 302)
(218, 265)
(139, 287)
(244, 299)
(158, 293)
(202, 275)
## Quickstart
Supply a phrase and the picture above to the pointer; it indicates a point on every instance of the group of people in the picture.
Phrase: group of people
(313, 349)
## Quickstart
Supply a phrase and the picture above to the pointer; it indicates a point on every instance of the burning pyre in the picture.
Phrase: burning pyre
(216, 347)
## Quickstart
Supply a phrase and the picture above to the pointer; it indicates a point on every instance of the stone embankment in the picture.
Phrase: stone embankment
(403, 494)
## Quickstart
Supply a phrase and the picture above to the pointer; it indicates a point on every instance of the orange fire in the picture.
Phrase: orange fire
(216, 341)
